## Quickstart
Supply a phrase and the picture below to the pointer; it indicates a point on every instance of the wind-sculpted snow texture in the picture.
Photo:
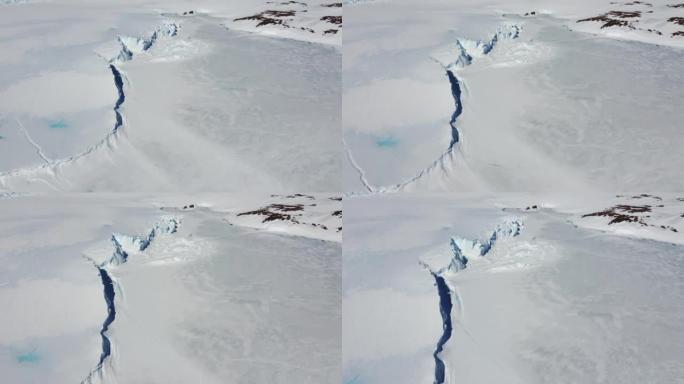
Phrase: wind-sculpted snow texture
(537, 302)
(529, 98)
(117, 301)
(116, 113)
(179, 80)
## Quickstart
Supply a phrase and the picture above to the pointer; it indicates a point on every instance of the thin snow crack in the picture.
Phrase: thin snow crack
(357, 167)
(35, 145)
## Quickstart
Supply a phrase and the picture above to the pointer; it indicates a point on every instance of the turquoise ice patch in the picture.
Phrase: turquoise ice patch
(59, 124)
(386, 142)
(28, 358)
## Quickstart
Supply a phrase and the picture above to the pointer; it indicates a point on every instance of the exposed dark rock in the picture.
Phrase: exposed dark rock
(633, 3)
(646, 195)
(275, 212)
(287, 3)
(676, 20)
(269, 17)
(623, 213)
(614, 19)
(333, 19)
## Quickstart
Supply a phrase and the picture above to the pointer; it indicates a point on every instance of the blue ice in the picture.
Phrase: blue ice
(386, 142)
(30, 357)
(58, 124)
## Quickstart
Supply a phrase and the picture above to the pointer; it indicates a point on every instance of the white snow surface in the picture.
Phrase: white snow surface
(197, 299)
(205, 107)
(557, 302)
(548, 108)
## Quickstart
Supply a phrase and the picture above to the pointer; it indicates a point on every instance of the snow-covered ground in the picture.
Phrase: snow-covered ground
(515, 199)
(136, 288)
(118, 120)
(534, 295)
(479, 96)
(316, 216)
(312, 21)
(138, 96)
(173, 176)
